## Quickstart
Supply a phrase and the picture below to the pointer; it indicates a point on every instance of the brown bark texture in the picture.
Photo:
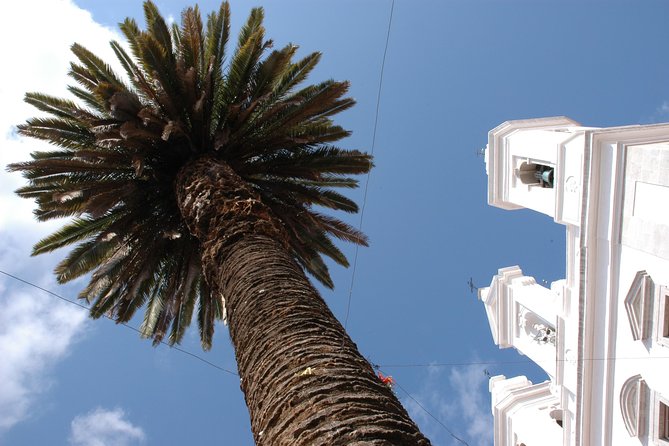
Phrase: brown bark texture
(304, 381)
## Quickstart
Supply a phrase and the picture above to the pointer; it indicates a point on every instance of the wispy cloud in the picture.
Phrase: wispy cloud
(664, 108)
(38, 55)
(459, 398)
(661, 114)
(36, 331)
(471, 388)
(103, 427)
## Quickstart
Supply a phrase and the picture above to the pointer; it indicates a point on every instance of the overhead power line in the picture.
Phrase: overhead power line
(125, 324)
(424, 409)
(432, 416)
(525, 361)
(398, 365)
(364, 198)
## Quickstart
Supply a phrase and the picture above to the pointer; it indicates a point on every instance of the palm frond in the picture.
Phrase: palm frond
(58, 107)
(61, 132)
(157, 26)
(338, 228)
(77, 230)
(96, 69)
(295, 74)
(209, 309)
(86, 257)
(191, 43)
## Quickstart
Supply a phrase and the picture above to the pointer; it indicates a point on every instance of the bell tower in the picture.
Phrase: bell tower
(537, 164)
(524, 315)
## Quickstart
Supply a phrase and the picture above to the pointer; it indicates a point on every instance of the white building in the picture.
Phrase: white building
(602, 333)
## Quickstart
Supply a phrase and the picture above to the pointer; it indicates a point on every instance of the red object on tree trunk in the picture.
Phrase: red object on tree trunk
(387, 380)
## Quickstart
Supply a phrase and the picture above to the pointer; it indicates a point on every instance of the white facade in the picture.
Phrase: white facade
(602, 333)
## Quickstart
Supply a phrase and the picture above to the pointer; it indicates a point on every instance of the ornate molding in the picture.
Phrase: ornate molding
(499, 305)
(633, 405)
(638, 305)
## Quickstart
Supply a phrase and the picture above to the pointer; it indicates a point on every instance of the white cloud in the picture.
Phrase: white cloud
(664, 108)
(460, 400)
(36, 330)
(37, 36)
(661, 114)
(103, 427)
(473, 400)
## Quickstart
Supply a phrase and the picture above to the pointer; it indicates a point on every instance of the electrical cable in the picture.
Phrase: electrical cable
(364, 198)
(527, 361)
(398, 365)
(125, 324)
(431, 416)
(394, 381)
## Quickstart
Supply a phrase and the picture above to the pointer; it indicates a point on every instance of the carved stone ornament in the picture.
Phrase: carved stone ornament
(633, 401)
(638, 305)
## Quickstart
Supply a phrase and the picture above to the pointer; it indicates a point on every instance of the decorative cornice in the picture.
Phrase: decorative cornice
(496, 301)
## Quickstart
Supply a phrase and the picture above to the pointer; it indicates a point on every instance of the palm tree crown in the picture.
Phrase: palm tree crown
(120, 152)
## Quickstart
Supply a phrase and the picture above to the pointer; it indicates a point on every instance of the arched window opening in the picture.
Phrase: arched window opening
(539, 174)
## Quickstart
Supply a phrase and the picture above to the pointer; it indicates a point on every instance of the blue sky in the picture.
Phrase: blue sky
(454, 70)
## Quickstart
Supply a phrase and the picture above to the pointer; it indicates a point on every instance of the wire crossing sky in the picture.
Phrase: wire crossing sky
(379, 366)
(371, 151)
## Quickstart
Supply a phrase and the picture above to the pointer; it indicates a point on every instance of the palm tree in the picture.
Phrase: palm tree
(193, 186)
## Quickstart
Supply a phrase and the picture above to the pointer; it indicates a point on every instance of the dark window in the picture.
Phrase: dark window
(665, 319)
(663, 431)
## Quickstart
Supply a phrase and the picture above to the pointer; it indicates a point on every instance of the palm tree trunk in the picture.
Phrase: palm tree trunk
(304, 381)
